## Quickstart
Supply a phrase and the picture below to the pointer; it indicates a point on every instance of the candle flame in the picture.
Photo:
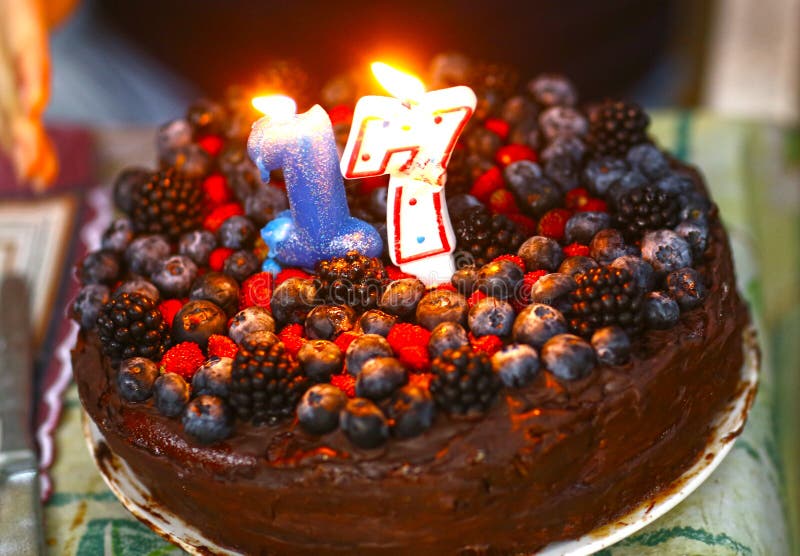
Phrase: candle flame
(277, 107)
(401, 85)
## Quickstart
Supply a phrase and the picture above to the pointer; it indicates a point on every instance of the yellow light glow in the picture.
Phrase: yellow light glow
(277, 107)
(399, 84)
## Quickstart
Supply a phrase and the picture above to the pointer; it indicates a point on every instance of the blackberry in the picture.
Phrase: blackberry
(604, 296)
(355, 280)
(266, 382)
(130, 325)
(482, 236)
(464, 382)
(647, 207)
(168, 204)
(615, 126)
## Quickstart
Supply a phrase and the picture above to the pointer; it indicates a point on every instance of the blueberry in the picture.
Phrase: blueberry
(568, 357)
(99, 267)
(695, 232)
(118, 235)
(128, 180)
(562, 162)
(666, 251)
(376, 321)
(218, 288)
(660, 311)
(191, 161)
(675, 183)
(696, 206)
(500, 279)
(516, 364)
(320, 359)
(641, 271)
(518, 109)
(326, 322)
(541, 253)
(364, 348)
(649, 160)
(292, 300)
(447, 335)
(686, 287)
(197, 245)
(583, 226)
(459, 204)
(607, 245)
(197, 321)
(136, 378)
(208, 419)
(319, 408)
(553, 90)
(601, 173)
(440, 306)
(576, 264)
(627, 182)
(401, 297)
(537, 323)
(562, 121)
(263, 337)
(363, 423)
(171, 394)
(249, 320)
(376, 202)
(139, 285)
(412, 411)
(144, 254)
(172, 136)
(264, 204)
(213, 377)
(379, 377)
(237, 232)
(241, 265)
(464, 279)
(482, 142)
(535, 194)
(88, 304)
(611, 345)
(491, 316)
(552, 289)
(206, 117)
(174, 275)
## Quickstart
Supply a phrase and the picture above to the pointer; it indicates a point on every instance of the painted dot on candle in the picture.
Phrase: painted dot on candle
(420, 239)
(412, 202)
(406, 128)
(437, 120)
(365, 157)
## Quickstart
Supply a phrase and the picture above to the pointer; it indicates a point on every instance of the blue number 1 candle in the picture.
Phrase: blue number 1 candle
(318, 224)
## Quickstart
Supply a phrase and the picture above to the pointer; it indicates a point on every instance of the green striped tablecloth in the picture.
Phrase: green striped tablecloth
(743, 508)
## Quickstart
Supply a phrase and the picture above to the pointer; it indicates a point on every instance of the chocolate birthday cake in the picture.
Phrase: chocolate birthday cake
(571, 367)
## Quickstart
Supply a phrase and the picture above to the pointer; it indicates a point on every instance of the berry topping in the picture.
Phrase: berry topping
(292, 338)
(379, 377)
(376, 321)
(603, 297)
(326, 322)
(220, 214)
(516, 364)
(320, 359)
(364, 348)
(171, 394)
(88, 304)
(645, 208)
(249, 321)
(220, 289)
(182, 359)
(412, 411)
(686, 287)
(131, 325)
(615, 126)
(568, 357)
(491, 316)
(541, 253)
(483, 236)
(208, 419)
(612, 345)
(402, 296)
(197, 321)
(489, 345)
(354, 280)
(318, 410)
(464, 382)
(213, 377)
(217, 258)
(537, 323)
(439, 306)
(364, 423)
(136, 378)
(256, 290)
(168, 204)
(576, 250)
(346, 383)
(447, 335)
(553, 223)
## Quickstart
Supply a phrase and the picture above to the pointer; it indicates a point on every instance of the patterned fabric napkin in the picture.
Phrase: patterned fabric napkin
(743, 508)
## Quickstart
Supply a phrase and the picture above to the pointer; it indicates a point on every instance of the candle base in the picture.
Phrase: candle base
(432, 271)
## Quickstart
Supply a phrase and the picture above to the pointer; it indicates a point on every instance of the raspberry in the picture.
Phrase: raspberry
(421, 380)
(212, 144)
(489, 345)
(447, 286)
(527, 284)
(514, 153)
(475, 297)
(594, 205)
(575, 250)
(498, 126)
(487, 183)
(292, 338)
(502, 202)
(514, 259)
(341, 114)
(220, 214)
(346, 383)
(414, 358)
(183, 359)
(576, 198)
(169, 308)
(526, 224)
(216, 260)
(287, 273)
(216, 190)
(553, 222)
(256, 290)
(410, 345)
(221, 346)
(395, 273)
(345, 339)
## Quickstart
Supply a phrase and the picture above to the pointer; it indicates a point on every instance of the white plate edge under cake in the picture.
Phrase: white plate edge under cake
(729, 424)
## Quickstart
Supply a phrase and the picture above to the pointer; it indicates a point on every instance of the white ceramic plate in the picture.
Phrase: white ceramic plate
(134, 496)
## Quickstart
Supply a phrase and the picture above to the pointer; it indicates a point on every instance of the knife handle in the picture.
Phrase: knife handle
(20, 506)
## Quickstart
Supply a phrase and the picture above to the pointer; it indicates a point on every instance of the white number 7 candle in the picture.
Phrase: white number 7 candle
(411, 138)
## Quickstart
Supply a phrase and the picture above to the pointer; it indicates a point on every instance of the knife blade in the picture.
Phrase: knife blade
(20, 508)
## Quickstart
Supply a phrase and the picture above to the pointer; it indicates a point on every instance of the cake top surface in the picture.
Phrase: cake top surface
(577, 242)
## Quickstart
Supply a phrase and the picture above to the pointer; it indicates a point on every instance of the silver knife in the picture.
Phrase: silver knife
(20, 506)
